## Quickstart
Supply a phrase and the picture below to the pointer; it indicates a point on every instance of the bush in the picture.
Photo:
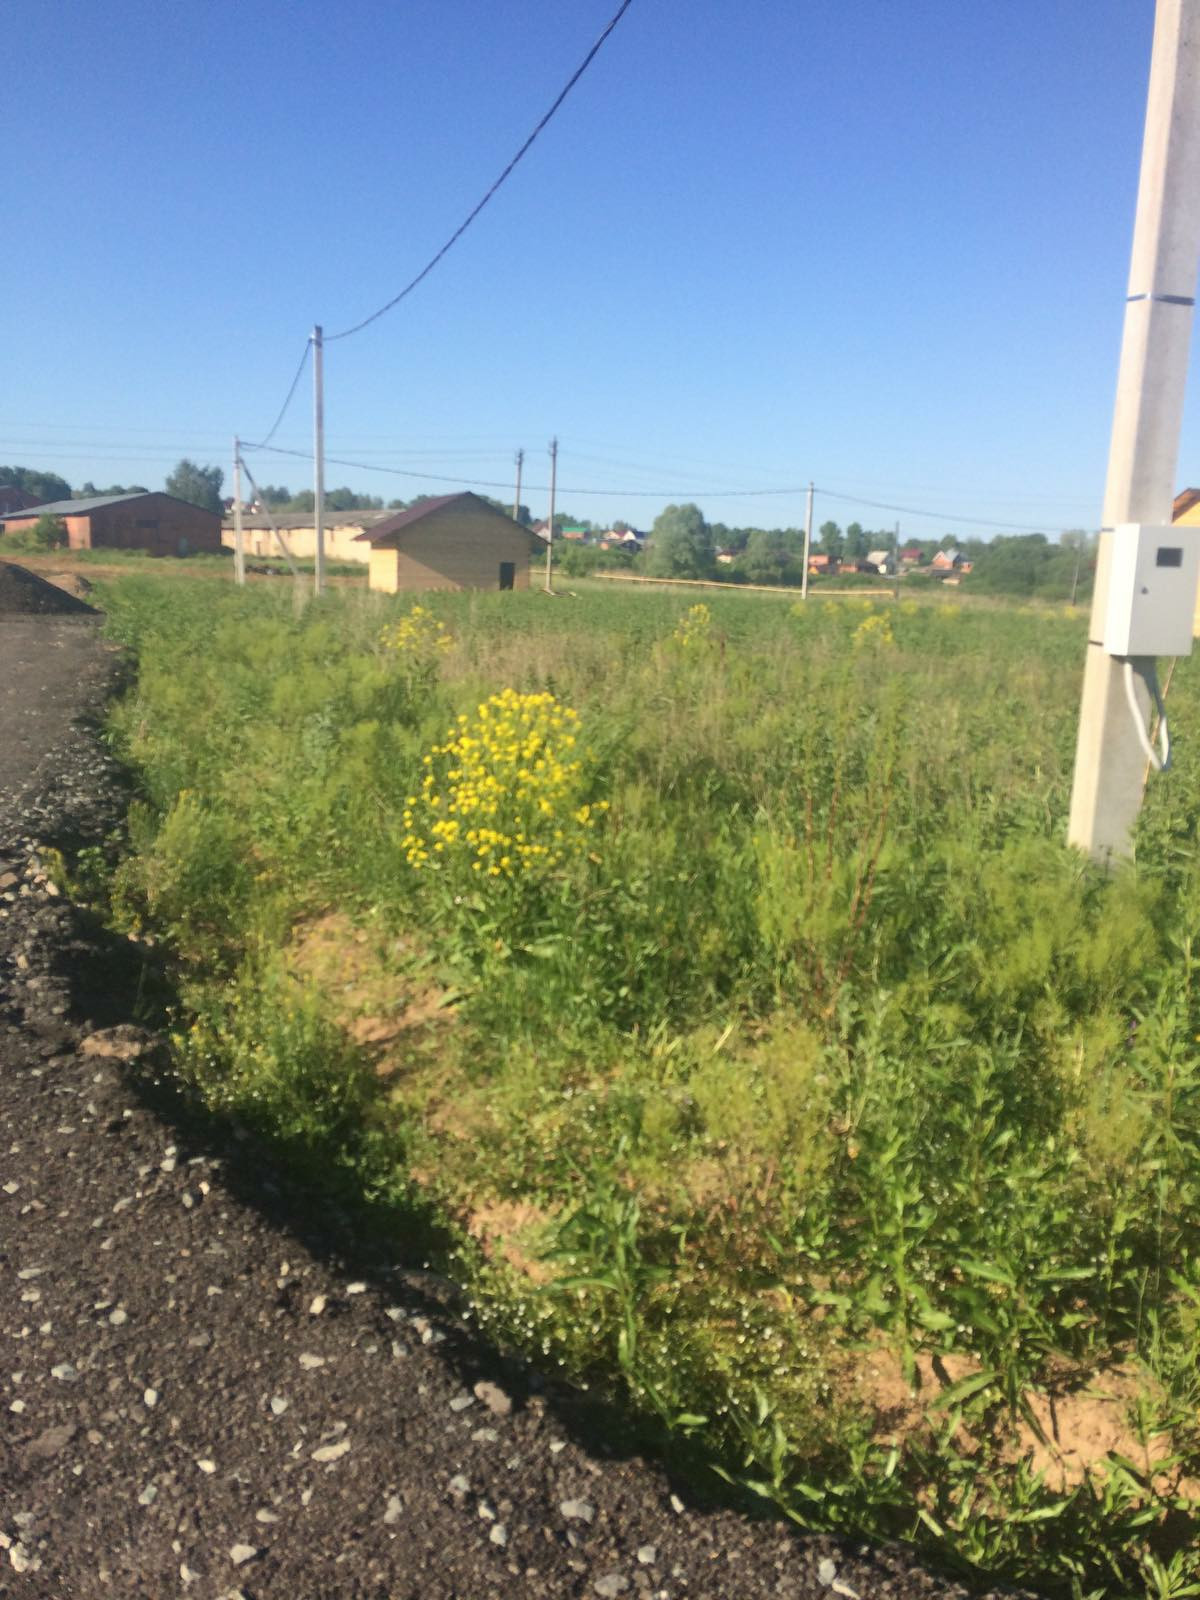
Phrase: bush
(47, 533)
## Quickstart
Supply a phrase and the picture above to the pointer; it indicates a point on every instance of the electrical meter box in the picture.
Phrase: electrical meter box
(1152, 590)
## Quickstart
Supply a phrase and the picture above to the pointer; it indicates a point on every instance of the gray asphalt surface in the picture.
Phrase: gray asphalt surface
(46, 667)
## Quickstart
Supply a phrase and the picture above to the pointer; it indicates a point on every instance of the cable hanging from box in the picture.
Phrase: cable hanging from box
(1160, 763)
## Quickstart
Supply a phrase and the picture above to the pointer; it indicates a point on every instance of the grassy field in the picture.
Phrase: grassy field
(716, 976)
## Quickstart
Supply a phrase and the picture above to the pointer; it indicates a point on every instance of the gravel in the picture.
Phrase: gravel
(177, 1421)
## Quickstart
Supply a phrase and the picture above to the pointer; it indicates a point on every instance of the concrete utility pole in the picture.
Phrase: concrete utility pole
(517, 493)
(239, 548)
(319, 458)
(1110, 763)
(807, 543)
(550, 524)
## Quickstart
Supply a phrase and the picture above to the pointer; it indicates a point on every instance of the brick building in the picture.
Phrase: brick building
(14, 499)
(155, 522)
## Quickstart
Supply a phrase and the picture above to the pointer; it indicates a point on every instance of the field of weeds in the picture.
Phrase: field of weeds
(716, 976)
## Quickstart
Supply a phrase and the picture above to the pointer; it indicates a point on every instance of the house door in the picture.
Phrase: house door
(508, 573)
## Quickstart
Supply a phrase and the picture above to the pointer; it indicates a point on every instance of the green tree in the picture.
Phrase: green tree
(1013, 565)
(831, 539)
(855, 545)
(45, 485)
(47, 533)
(767, 558)
(681, 544)
(89, 489)
(200, 486)
(346, 500)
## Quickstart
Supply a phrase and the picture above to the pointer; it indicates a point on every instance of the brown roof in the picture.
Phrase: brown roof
(384, 532)
(1184, 501)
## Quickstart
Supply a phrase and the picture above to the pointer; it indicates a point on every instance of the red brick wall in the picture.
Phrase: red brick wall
(157, 523)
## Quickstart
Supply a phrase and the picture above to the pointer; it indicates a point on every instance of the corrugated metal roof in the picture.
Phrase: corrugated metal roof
(255, 520)
(75, 508)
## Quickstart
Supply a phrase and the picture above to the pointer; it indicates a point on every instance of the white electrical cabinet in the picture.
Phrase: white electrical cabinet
(1152, 590)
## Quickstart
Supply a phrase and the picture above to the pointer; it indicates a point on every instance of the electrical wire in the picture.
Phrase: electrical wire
(647, 494)
(497, 483)
(938, 516)
(1159, 763)
(262, 443)
(463, 226)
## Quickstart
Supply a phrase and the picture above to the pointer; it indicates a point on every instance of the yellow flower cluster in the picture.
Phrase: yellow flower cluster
(419, 636)
(873, 631)
(503, 796)
(694, 626)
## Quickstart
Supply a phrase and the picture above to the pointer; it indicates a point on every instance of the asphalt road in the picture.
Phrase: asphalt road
(47, 665)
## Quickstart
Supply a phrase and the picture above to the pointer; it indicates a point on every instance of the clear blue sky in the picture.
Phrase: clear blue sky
(880, 245)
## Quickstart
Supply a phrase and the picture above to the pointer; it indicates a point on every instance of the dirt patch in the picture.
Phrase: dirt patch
(506, 1229)
(1078, 1421)
(71, 582)
(23, 593)
(382, 1009)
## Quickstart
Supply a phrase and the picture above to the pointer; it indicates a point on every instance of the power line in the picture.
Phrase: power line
(668, 494)
(462, 228)
(262, 444)
(496, 483)
(940, 516)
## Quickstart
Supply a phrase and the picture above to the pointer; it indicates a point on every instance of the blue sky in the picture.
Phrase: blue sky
(883, 246)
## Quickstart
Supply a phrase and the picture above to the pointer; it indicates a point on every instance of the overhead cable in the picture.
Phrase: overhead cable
(496, 483)
(463, 226)
(263, 443)
(652, 494)
(942, 516)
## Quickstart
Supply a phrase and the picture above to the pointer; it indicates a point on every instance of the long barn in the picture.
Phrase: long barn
(155, 522)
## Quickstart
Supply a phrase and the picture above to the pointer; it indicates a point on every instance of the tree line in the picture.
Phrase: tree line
(682, 542)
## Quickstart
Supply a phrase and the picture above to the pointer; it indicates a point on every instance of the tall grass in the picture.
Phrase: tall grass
(814, 1093)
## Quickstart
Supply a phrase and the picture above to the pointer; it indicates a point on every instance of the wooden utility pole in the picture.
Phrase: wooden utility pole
(517, 493)
(1109, 760)
(319, 459)
(239, 549)
(807, 543)
(896, 564)
(550, 524)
